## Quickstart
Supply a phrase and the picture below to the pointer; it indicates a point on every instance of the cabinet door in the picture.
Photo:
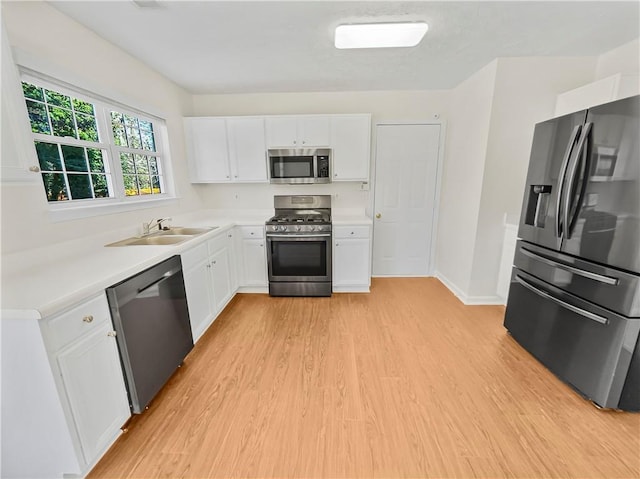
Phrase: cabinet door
(247, 149)
(313, 131)
(94, 385)
(351, 145)
(254, 262)
(221, 278)
(207, 150)
(233, 259)
(18, 161)
(197, 284)
(351, 262)
(281, 131)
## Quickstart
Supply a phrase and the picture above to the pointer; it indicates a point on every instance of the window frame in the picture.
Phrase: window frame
(85, 207)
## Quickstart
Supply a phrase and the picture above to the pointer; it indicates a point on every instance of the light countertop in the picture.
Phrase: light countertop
(43, 282)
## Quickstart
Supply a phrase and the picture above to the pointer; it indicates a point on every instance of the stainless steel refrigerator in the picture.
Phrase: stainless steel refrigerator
(574, 299)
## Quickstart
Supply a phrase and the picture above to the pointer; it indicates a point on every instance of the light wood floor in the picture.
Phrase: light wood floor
(403, 382)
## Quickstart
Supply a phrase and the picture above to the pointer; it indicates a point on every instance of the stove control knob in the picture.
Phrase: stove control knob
(297, 228)
(313, 228)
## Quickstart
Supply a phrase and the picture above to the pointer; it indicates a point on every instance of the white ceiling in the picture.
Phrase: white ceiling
(268, 46)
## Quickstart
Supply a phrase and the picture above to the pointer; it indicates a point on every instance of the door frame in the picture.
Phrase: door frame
(436, 204)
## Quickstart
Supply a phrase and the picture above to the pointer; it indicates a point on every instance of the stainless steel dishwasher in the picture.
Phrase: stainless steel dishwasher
(151, 319)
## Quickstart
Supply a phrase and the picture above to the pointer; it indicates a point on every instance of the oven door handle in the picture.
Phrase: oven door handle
(298, 236)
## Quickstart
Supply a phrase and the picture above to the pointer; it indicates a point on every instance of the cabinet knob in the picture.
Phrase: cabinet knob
(34, 169)
(261, 245)
(214, 262)
(352, 232)
(227, 176)
(235, 176)
(335, 174)
(304, 142)
(378, 215)
(295, 142)
(112, 334)
(87, 319)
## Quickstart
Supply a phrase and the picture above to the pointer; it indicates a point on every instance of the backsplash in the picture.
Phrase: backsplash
(259, 196)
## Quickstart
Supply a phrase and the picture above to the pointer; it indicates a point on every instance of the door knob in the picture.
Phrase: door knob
(378, 215)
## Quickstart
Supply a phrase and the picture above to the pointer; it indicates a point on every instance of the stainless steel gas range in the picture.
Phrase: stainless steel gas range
(299, 246)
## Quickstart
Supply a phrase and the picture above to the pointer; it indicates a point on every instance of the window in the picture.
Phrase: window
(91, 151)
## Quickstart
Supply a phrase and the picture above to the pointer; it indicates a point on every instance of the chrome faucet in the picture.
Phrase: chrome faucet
(147, 227)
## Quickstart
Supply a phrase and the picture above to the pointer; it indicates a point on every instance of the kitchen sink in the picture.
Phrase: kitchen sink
(179, 230)
(170, 236)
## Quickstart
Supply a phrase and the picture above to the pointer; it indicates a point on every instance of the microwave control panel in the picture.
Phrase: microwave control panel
(323, 166)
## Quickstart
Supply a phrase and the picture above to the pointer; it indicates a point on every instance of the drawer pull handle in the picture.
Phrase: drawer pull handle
(87, 319)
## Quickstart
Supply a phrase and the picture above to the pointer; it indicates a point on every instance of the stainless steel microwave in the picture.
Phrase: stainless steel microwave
(300, 165)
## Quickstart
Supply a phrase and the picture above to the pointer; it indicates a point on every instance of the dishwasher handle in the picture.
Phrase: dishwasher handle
(166, 275)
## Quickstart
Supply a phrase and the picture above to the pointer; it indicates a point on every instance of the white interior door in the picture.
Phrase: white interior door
(405, 198)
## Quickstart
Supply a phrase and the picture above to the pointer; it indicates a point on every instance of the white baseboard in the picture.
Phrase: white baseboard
(464, 297)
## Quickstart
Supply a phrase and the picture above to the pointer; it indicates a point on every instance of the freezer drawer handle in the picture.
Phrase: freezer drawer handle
(587, 274)
(570, 307)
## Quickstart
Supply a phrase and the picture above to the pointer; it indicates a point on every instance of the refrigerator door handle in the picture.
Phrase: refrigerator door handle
(571, 211)
(570, 307)
(555, 263)
(561, 177)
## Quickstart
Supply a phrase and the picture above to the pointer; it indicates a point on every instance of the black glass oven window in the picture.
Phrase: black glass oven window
(292, 166)
(299, 258)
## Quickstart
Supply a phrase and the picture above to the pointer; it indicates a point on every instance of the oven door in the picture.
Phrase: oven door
(299, 257)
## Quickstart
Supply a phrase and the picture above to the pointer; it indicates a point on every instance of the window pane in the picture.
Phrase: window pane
(74, 160)
(145, 125)
(155, 182)
(133, 138)
(80, 187)
(55, 187)
(48, 156)
(130, 185)
(148, 142)
(62, 122)
(87, 129)
(145, 184)
(153, 165)
(142, 167)
(32, 91)
(58, 99)
(100, 187)
(126, 160)
(117, 124)
(131, 121)
(96, 162)
(83, 106)
(38, 117)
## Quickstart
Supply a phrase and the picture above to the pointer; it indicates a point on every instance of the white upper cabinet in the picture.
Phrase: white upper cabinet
(207, 149)
(351, 147)
(247, 149)
(18, 161)
(299, 131)
(224, 150)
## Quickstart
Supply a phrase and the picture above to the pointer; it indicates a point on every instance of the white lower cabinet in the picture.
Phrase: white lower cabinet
(209, 279)
(351, 258)
(83, 355)
(94, 385)
(253, 263)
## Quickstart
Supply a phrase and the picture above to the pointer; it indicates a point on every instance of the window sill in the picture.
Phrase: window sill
(59, 213)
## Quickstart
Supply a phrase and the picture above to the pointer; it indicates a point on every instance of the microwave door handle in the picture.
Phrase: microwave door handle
(582, 162)
(561, 180)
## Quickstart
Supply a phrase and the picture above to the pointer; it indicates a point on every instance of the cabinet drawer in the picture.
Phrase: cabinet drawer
(350, 231)
(252, 231)
(80, 320)
(195, 255)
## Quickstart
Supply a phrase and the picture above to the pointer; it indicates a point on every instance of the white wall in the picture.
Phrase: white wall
(525, 93)
(40, 34)
(625, 59)
(464, 164)
(383, 105)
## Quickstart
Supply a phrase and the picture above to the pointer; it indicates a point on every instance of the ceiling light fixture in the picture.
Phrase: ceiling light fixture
(380, 35)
